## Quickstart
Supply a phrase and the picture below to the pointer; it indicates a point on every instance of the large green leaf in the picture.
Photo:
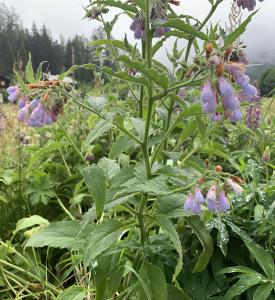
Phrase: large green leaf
(118, 4)
(186, 28)
(97, 131)
(109, 166)
(125, 76)
(160, 79)
(263, 258)
(189, 130)
(29, 222)
(155, 282)
(95, 180)
(72, 293)
(101, 238)
(168, 228)
(121, 145)
(232, 37)
(263, 291)
(44, 152)
(29, 70)
(74, 68)
(176, 294)
(244, 283)
(206, 241)
(59, 235)
(238, 269)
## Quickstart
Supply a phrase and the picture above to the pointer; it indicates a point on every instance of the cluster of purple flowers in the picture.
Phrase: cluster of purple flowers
(238, 73)
(216, 198)
(217, 201)
(138, 26)
(230, 101)
(249, 4)
(32, 113)
(253, 114)
(160, 30)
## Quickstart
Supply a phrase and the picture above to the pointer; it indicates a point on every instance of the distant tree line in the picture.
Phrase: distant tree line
(16, 42)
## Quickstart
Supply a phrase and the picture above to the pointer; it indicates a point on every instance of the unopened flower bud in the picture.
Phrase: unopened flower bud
(218, 168)
(227, 53)
(89, 157)
(208, 49)
(219, 70)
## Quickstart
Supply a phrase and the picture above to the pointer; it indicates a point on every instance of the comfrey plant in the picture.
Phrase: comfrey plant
(154, 174)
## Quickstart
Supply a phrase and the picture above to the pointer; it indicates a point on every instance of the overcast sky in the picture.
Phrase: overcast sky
(64, 17)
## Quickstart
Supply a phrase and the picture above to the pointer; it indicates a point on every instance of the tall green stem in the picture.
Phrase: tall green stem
(77, 151)
(150, 102)
(141, 95)
(148, 43)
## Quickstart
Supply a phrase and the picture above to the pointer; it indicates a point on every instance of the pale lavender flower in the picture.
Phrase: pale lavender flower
(235, 116)
(138, 26)
(230, 101)
(12, 89)
(218, 204)
(13, 92)
(160, 31)
(34, 103)
(250, 91)
(192, 205)
(249, 4)
(48, 118)
(212, 193)
(238, 72)
(223, 203)
(37, 116)
(208, 98)
(23, 114)
(199, 196)
(21, 103)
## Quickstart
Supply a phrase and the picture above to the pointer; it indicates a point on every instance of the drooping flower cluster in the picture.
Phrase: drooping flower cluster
(237, 70)
(34, 114)
(225, 72)
(14, 93)
(249, 4)
(216, 199)
(158, 18)
(194, 202)
(138, 26)
(208, 98)
(37, 112)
